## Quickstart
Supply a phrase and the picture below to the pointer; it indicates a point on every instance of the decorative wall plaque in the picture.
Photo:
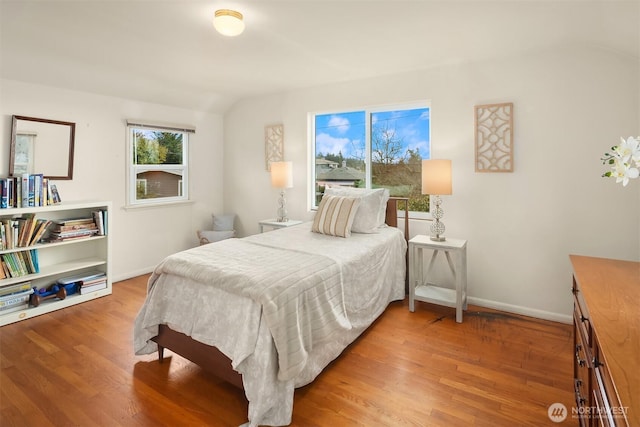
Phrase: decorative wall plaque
(494, 137)
(273, 144)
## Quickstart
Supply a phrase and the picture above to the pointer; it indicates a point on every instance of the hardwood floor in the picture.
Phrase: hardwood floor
(76, 367)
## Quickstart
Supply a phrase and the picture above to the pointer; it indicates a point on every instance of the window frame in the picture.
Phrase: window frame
(368, 111)
(133, 169)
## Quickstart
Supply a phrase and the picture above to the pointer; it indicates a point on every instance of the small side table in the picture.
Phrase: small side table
(421, 290)
(273, 223)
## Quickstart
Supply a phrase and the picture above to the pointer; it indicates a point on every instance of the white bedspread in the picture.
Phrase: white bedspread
(300, 293)
(342, 287)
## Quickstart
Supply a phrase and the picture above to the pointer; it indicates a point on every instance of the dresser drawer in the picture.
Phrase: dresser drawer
(581, 315)
(609, 409)
(581, 368)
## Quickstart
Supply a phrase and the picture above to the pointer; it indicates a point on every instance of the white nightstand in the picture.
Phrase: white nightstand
(275, 224)
(420, 289)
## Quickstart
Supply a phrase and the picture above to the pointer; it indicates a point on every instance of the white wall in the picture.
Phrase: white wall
(143, 237)
(570, 106)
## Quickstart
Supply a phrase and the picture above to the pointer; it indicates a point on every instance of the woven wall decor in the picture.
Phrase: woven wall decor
(273, 144)
(494, 137)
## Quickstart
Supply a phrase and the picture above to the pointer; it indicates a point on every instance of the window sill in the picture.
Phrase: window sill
(157, 205)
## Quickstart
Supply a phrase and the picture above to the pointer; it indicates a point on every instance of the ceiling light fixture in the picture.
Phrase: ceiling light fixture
(228, 22)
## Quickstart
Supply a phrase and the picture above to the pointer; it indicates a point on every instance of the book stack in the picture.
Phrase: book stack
(68, 229)
(27, 190)
(15, 297)
(87, 283)
(22, 232)
(18, 264)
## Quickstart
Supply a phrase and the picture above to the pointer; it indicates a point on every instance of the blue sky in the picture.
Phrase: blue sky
(345, 132)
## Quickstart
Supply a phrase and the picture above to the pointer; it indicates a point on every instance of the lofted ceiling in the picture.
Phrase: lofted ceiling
(167, 51)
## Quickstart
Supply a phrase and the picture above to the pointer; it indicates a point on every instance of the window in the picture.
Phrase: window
(158, 169)
(373, 148)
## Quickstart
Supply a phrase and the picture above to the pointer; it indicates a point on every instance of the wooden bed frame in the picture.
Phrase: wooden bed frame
(213, 360)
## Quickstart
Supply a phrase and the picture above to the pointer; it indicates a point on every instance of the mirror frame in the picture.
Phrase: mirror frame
(72, 132)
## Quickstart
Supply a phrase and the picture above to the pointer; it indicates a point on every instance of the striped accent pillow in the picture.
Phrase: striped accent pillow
(335, 215)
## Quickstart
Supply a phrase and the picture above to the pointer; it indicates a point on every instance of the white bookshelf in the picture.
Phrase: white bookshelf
(58, 260)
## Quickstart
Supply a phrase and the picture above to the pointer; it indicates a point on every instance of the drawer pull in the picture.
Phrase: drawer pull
(581, 362)
(576, 388)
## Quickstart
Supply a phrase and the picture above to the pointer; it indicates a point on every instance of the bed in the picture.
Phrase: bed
(270, 311)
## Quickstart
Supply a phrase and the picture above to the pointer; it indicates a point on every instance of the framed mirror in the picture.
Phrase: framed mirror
(42, 146)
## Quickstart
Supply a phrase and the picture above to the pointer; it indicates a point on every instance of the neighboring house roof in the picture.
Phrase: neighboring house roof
(341, 174)
(169, 172)
(325, 162)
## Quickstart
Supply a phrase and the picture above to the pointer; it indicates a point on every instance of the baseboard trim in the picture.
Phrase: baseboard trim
(525, 311)
(132, 274)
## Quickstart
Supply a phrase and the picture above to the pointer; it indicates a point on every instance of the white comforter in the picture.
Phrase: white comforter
(280, 305)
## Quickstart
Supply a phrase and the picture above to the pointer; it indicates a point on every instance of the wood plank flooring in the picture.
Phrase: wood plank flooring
(76, 367)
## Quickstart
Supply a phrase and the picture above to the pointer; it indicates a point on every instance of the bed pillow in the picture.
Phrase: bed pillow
(335, 215)
(373, 206)
(223, 222)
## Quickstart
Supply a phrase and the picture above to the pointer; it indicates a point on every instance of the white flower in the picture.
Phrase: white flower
(624, 160)
(623, 172)
(628, 149)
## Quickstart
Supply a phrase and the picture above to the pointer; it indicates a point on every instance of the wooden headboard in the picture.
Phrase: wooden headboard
(391, 218)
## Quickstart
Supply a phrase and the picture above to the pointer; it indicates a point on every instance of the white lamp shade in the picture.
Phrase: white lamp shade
(228, 22)
(436, 177)
(282, 174)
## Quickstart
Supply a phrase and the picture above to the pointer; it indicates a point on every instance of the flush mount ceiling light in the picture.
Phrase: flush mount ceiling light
(228, 22)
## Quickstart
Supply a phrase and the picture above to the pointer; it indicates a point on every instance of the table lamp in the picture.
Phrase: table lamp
(282, 178)
(436, 181)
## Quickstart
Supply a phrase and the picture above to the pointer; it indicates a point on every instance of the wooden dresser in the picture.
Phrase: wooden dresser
(606, 320)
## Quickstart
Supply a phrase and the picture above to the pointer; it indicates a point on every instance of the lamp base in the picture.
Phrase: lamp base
(437, 228)
(282, 208)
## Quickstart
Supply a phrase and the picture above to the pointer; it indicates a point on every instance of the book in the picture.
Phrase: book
(90, 275)
(37, 189)
(49, 193)
(11, 192)
(8, 233)
(5, 269)
(13, 289)
(25, 189)
(23, 264)
(15, 302)
(84, 289)
(27, 226)
(99, 220)
(17, 307)
(90, 282)
(41, 228)
(34, 256)
(55, 195)
(65, 228)
(16, 297)
(32, 190)
(45, 191)
(4, 193)
(73, 233)
(6, 258)
(73, 221)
